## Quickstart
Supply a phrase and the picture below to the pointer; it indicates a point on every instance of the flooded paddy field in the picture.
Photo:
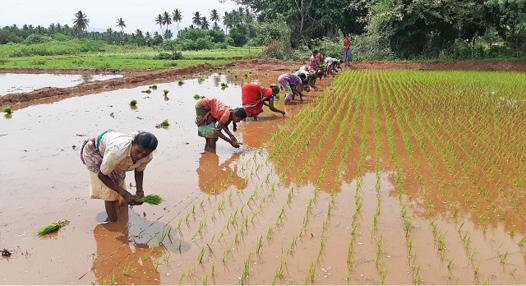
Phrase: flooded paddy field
(17, 82)
(395, 177)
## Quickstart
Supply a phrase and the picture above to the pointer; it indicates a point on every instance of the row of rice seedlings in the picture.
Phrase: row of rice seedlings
(450, 156)
(308, 211)
(359, 179)
(379, 258)
(438, 236)
(291, 130)
(399, 183)
(317, 115)
(470, 252)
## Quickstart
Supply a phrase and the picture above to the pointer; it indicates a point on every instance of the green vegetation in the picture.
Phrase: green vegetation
(7, 110)
(133, 103)
(51, 228)
(151, 199)
(83, 54)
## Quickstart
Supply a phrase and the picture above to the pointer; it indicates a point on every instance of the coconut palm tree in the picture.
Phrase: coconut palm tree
(159, 21)
(227, 21)
(167, 20)
(121, 24)
(81, 21)
(214, 16)
(197, 19)
(204, 23)
(177, 17)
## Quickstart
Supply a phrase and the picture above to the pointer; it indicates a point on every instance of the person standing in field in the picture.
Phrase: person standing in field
(292, 85)
(254, 96)
(108, 157)
(347, 50)
(212, 118)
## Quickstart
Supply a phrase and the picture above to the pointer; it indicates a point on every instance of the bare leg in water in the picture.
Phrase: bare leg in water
(210, 145)
(116, 211)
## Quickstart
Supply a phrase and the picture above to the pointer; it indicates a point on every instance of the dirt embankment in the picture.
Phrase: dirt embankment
(134, 78)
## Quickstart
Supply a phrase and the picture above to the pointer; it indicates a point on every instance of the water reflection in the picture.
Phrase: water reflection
(215, 178)
(118, 262)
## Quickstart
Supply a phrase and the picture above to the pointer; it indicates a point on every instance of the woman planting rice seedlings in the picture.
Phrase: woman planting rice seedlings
(108, 157)
(254, 97)
(292, 85)
(213, 117)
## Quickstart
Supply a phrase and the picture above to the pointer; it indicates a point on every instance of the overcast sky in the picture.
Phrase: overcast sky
(138, 14)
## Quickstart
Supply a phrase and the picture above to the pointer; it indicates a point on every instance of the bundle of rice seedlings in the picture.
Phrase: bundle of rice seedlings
(165, 123)
(180, 83)
(50, 228)
(151, 199)
(153, 87)
(133, 103)
(165, 92)
(7, 110)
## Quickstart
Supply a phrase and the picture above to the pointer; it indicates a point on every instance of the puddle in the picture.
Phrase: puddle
(16, 83)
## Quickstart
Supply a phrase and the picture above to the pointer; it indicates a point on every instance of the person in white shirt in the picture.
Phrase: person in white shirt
(108, 157)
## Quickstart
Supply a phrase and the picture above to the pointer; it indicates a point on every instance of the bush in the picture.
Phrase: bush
(36, 39)
(277, 50)
(169, 51)
(57, 48)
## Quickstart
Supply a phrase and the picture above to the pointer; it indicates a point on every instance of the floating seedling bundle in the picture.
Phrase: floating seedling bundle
(51, 228)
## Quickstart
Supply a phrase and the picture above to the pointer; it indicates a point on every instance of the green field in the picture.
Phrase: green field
(76, 54)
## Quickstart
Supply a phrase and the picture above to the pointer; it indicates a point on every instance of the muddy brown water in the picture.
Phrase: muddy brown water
(249, 210)
(16, 82)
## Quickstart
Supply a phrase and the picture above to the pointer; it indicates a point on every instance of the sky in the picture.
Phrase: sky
(137, 14)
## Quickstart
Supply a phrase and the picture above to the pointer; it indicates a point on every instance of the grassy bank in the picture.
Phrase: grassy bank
(77, 55)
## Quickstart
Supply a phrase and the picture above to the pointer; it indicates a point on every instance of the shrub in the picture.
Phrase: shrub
(36, 39)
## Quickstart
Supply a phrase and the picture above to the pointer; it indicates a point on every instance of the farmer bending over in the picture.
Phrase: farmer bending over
(306, 78)
(292, 85)
(254, 96)
(108, 157)
(213, 117)
(314, 67)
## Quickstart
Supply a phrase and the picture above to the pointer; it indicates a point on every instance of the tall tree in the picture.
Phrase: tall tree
(167, 19)
(159, 21)
(204, 23)
(81, 21)
(121, 24)
(197, 19)
(227, 21)
(214, 16)
(177, 17)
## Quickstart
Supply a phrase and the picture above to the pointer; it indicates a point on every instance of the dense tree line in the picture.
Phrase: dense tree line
(405, 28)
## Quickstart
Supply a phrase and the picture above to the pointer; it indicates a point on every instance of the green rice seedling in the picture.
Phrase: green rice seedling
(269, 233)
(246, 271)
(51, 228)
(522, 242)
(148, 91)
(197, 97)
(180, 82)
(311, 275)
(151, 199)
(503, 258)
(205, 280)
(126, 269)
(259, 245)
(165, 92)
(7, 110)
(165, 124)
(181, 279)
(224, 85)
(278, 276)
(133, 103)
(213, 270)
(201, 256)
(153, 87)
